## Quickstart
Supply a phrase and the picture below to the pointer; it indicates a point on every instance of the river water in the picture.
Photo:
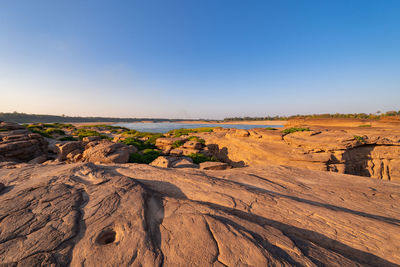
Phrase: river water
(163, 127)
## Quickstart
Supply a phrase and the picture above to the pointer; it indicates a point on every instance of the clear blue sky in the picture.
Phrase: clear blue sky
(199, 58)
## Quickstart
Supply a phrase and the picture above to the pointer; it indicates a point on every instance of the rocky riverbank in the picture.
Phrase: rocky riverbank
(205, 197)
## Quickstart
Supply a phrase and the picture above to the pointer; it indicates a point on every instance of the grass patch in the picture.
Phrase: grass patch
(81, 133)
(270, 128)
(200, 158)
(197, 139)
(295, 129)
(178, 143)
(146, 156)
(42, 133)
(151, 137)
(52, 131)
(359, 138)
(68, 138)
(139, 144)
(365, 125)
(180, 132)
(59, 126)
(113, 129)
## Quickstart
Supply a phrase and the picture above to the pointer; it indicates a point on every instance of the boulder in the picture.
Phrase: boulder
(88, 139)
(184, 163)
(173, 162)
(163, 141)
(38, 160)
(211, 165)
(108, 152)
(193, 145)
(164, 161)
(17, 143)
(63, 149)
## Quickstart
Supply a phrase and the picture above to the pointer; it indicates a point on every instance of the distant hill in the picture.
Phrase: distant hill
(32, 118)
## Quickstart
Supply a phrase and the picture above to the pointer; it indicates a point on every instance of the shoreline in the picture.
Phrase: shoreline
(277, 123)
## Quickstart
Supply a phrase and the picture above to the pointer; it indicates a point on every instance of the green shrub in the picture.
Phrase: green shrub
(68, 138)
(178, 143)
(199, 158)
(197, 139)
(81, 133)
(113, 129)
(34, 126)
(42, 133)
(270, 128)
(180, 132)
(359, 138)
(146, 156)
(151, 137)
(52, 131)
(58, 125)
(295, 129)
(365, 125)
(139, 144)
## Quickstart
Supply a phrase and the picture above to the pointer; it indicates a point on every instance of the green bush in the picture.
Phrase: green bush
(270, 128)
(146, 156)
(180, 132)
(81, 133)
(113, 129)
(151, 137)
(178, 143)
(52, 131)
(197, 139)
(199, 158)
(59, 125)
(139, 144)
(42, 133)
(359, 138)
(365, 125)
(68, 138)
(295, 129)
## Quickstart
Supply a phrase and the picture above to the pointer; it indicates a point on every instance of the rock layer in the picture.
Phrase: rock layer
(371, 152)
(139, 215)
(18, 144)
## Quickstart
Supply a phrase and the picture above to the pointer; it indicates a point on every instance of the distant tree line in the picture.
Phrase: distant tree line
(33, 118)
(371, 116)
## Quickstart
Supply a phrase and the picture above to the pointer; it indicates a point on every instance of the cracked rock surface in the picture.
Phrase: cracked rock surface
(138, 215)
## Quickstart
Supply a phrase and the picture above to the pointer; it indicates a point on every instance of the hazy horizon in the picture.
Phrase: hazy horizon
(199, 59)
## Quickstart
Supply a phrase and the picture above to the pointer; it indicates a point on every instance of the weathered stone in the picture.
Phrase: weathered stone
(18, 144)
(108, 152)
(88, 139)
(211, 165)
(139, 215)
(38, 160)
(193, 145)
(63, 149)
(184, 163)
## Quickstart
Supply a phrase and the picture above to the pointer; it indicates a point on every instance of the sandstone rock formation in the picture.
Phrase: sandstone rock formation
(210, 165)
(139, 215)
(107, 152)
(173, 162)
(19, 144)
(371, 152)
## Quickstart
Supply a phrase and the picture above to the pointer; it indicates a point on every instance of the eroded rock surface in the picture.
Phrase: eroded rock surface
(138, 215)
(371, 152)
(18, 144)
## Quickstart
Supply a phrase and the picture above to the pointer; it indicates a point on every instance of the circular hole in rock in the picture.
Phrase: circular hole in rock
(106, 237)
